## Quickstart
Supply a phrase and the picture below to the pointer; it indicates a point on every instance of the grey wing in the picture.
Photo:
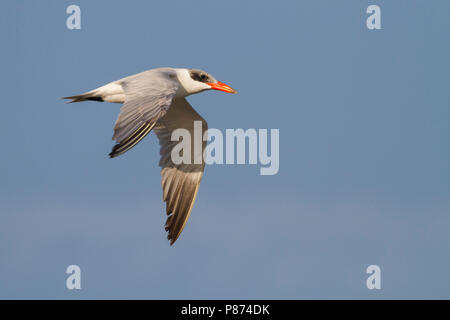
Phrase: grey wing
(148, 96)
(179, 182)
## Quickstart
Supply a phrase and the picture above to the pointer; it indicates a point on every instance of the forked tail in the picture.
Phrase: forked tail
(84, 97)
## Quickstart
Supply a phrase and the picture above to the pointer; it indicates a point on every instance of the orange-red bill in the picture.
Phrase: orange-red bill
(222, 87)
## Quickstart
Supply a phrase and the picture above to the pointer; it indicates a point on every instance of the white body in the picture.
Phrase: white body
(113, 91)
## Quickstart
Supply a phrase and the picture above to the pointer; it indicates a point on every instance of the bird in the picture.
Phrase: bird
(156, 100)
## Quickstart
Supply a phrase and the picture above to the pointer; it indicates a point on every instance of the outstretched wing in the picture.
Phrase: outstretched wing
(180, 182)
(148, 96)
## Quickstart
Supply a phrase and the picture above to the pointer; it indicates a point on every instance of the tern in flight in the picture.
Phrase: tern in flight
(156, 99)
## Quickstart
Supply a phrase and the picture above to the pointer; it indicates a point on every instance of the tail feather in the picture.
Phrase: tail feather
(111, 92)
(84, 97)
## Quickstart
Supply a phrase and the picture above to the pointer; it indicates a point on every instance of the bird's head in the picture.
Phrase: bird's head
(196, 80)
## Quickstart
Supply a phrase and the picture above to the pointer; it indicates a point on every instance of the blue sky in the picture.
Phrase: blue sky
(364, 158)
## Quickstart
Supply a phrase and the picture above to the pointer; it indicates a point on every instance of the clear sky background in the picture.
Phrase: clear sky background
(364, 151)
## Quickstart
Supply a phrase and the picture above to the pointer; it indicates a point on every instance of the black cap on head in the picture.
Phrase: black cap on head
(202, 76)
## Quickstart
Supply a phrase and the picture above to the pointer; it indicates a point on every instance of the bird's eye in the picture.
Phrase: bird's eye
(203, 77)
